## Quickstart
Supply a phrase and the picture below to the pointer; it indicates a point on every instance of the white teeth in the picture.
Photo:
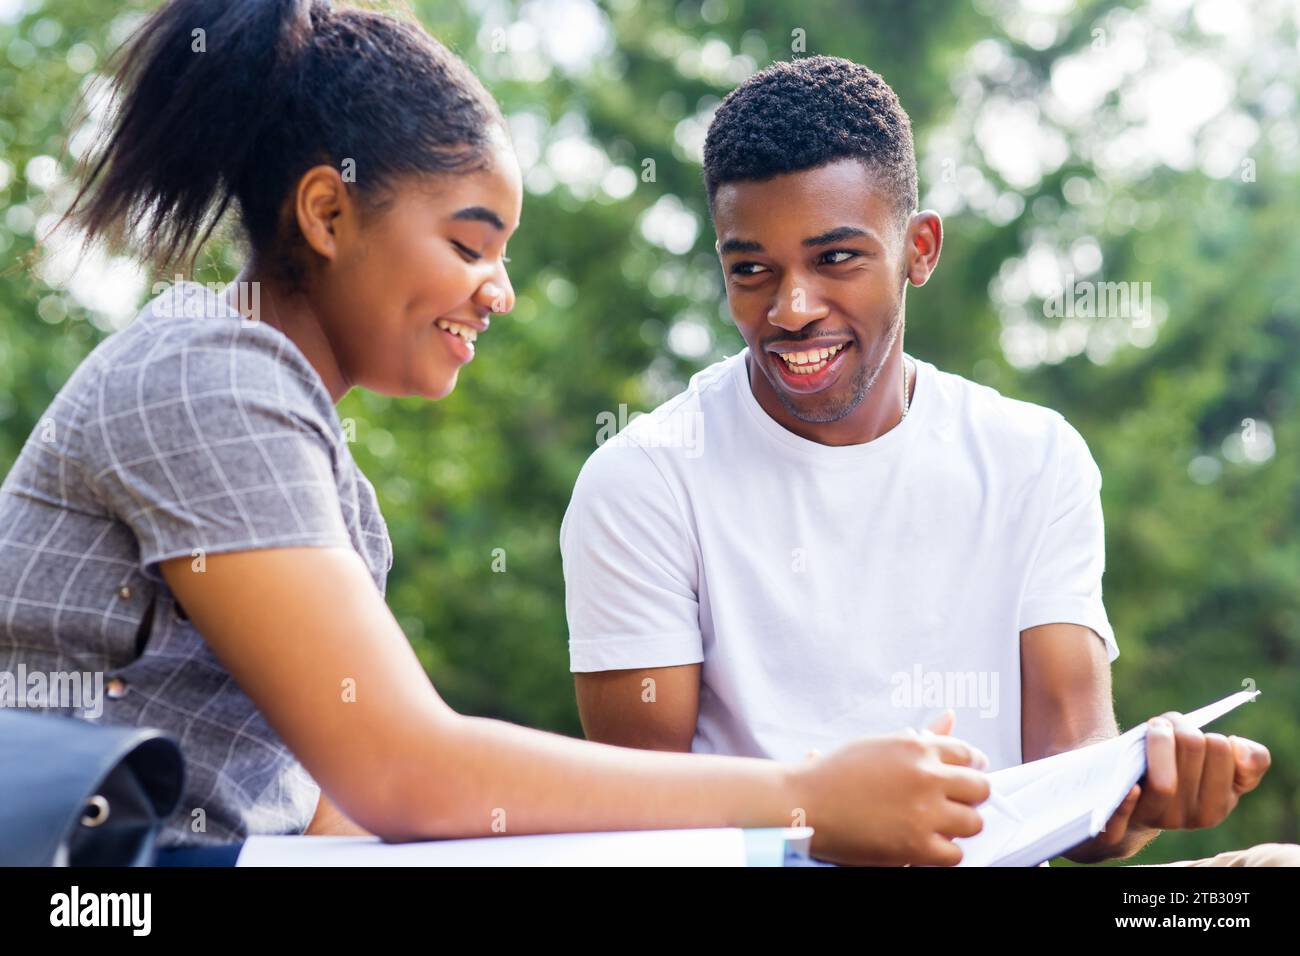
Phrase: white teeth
(805, 363)
(455, 328)
(808, 369)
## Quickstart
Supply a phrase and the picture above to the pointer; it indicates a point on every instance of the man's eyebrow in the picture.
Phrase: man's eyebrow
(480, 214)
(740, 245)
(838, 234)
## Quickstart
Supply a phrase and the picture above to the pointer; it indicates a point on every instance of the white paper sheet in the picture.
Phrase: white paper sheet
(1041, 809)
(711, 847)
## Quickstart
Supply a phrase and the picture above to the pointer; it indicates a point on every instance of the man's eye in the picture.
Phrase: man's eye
(746, 269)
(466, 251)
(838, 256)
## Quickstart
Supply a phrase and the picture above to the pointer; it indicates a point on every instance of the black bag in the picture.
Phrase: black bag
(73, 793)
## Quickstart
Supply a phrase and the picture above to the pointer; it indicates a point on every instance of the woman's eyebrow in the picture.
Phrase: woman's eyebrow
(838, 234)
(480, 214)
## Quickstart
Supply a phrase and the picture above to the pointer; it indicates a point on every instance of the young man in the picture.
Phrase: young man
(853, 540)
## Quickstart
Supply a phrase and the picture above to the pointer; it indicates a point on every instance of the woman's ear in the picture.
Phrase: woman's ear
(324, 210)
(924, 239)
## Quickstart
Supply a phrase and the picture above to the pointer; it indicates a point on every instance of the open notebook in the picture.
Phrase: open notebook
(1041, 809)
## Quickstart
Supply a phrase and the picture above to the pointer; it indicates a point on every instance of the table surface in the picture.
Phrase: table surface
(763, 848)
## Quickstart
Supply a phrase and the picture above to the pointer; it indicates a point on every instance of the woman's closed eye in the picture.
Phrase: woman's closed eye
(470, 254)
(473, 255)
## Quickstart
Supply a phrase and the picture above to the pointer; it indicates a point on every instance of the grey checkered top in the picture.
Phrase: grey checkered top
(191, 432)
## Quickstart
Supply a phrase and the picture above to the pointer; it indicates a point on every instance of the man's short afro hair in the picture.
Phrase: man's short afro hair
(799, 115)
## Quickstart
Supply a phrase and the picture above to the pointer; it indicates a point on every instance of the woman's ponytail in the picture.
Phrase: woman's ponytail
(195, 84)
(222, 100)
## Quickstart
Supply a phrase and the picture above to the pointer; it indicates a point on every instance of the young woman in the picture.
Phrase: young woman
(187, 517)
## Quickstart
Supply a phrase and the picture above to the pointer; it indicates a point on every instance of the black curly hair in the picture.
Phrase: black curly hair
(799, 115)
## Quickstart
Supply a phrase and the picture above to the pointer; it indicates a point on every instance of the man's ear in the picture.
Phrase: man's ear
(924, 239)
(323, 209)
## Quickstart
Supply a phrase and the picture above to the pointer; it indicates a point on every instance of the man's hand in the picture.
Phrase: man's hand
(1193, 780)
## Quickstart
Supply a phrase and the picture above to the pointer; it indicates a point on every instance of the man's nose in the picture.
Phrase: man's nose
(796, 305)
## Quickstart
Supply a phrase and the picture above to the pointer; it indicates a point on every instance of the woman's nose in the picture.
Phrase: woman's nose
(496, 296)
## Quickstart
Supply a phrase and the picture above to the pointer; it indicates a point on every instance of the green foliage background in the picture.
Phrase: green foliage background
(1202, 575)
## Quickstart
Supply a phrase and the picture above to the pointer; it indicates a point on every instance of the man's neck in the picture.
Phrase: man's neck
(880, 410)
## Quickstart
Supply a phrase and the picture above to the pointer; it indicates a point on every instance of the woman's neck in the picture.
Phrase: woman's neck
(291, 314)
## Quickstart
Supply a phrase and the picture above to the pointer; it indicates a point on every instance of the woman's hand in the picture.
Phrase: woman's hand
(892, 800)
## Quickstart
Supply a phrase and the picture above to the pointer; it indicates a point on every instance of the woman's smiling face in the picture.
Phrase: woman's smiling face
(403, 304)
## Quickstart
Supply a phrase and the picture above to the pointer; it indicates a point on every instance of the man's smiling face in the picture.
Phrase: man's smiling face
(815, 264)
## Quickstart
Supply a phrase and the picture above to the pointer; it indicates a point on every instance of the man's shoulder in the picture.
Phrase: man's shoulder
(674, 428)
(1010, 424)
(637, 452)
(708, 392)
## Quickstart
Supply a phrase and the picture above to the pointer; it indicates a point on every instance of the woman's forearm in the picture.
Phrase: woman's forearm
(489, 777)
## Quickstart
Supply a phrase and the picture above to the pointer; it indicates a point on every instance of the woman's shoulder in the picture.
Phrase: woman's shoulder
(188, 348)
(190, 385)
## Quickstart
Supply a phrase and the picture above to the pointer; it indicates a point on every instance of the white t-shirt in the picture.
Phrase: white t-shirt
(834, 592)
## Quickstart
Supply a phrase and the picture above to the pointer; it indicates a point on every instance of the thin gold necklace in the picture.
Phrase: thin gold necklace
(906, 402)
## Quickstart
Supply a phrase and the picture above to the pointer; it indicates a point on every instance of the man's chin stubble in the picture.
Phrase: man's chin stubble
(824, 416)
(863, 384)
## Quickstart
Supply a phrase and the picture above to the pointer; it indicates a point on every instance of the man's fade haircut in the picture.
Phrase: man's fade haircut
(794, 116)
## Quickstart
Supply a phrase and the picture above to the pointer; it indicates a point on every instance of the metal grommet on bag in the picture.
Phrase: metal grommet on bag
(96, 811)
(115, 688)
(124, 592)
(83, 792)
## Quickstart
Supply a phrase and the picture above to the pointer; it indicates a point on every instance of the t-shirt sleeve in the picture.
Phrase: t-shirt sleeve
(1064, 584)
(219, 438)
(630, 568)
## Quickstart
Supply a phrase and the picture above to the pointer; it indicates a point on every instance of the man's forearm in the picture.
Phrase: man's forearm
(1095, 851)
